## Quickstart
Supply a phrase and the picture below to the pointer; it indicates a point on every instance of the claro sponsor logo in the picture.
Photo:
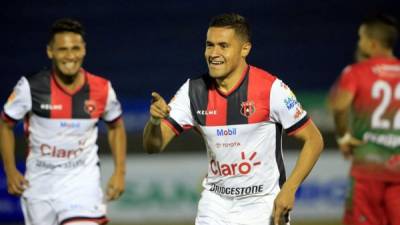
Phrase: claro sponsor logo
(53, 151)
(226, 132)
(242, 167)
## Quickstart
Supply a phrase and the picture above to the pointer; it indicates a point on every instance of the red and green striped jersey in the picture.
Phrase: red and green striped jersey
(375, 85)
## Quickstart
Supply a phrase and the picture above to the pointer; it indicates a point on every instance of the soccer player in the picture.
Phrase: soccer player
(240, 111)
(365, 104)
(61, 108)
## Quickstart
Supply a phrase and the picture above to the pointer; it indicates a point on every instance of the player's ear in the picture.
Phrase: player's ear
(49, 51)
(246, 47)
(374, 44)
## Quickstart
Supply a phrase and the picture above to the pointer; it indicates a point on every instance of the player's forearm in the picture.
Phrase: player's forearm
(341, 121)
(7, 145)
(152, 138)
(117, 140)
(309, 155)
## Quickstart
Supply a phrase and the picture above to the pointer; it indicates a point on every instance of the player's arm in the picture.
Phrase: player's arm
(157, 135)
(16, 182)
(117, 141)
(312, 148)
(340, 105)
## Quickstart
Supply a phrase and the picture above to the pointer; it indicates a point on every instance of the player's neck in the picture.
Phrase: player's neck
(383, 53)
(70, 83)
(226, 84)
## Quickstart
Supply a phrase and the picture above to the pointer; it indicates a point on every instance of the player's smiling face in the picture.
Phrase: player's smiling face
(67, 51)
(224, 52)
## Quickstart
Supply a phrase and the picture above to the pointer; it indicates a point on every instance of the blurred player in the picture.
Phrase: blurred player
(365, 104)
(241, 111)
(61, 108)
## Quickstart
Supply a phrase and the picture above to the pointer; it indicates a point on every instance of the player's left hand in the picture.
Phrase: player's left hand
(283, 204)
(115, 186)
(347, 144)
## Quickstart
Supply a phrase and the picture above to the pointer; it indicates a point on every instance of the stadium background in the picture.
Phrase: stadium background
(143, 46)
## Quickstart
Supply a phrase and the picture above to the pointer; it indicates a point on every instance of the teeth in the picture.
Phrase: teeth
(69, 65)
(216, 63)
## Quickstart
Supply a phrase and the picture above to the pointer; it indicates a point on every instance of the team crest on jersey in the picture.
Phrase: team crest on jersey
(90, 106)
(247, 108)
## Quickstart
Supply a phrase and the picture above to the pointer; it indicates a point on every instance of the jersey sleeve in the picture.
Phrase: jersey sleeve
(18, 103)
(180, 116)
(285, 109)
(113, 109)
(347, 80)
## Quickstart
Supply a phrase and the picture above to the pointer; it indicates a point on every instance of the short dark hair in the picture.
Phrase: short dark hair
(383, 28)
(234, 21)
(66, 25)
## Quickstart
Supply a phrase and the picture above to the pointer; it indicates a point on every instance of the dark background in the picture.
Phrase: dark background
(155, 45)
(142, 46)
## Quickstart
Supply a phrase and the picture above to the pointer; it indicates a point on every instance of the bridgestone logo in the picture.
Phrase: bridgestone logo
(237, 191)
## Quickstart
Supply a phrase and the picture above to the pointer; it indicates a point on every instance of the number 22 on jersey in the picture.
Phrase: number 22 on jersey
(382, 90)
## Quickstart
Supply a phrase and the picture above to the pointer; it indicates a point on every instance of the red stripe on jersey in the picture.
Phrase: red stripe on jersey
(216, 108)
(60, 101)
(98, 87)
(258, 94)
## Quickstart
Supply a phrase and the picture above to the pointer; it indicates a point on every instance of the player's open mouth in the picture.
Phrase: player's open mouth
(70, 65)
(215, 62)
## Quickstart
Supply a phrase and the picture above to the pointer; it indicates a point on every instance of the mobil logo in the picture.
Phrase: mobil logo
(226, 132)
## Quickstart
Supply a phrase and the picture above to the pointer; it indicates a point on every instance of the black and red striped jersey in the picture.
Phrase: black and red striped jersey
(61, 126)
(242, 129)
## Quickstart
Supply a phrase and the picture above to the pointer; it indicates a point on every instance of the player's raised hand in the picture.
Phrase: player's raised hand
(159, 109)
(16, 183)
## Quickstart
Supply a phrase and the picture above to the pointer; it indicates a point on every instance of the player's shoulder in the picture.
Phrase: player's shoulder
(354, 68)
(363, 65)
(96, 80)
(200, 81)
(38, 76)
(38, 79)
(95, 77)
(262, 74)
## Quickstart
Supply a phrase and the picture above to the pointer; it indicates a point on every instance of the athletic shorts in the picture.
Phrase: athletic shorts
(77, 197)
(216, 210)
(372, 202)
